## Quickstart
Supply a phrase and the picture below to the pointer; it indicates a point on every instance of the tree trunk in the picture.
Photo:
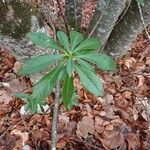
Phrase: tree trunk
(106, 16)
(120, 35)
(127, 29)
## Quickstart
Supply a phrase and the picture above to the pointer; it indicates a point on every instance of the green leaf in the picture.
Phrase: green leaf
(63, 39)
(32, 105)
(39, 63)
(43, 40)
(70, 67)
(44, 87)
(84, 52)
(76, 38)
(22, 95)
(103, 61)
(63, 74)
(141, 2)
(90, 43)
(73, 102)
(67, 91)
(90, 81)
(85, 65)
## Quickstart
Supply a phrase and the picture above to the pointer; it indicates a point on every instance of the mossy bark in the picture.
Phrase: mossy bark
(120, 35)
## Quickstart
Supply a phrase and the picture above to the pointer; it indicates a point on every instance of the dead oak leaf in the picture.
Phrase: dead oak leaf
(129, 62)
(24, 135)
(5, 98)
(133, 141)
(116, 141)
(99, 127)
(17, 66)
(84, 127)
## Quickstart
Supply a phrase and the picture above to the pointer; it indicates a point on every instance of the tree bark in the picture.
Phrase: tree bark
(127, 29)
(120, 35)
(108, 11)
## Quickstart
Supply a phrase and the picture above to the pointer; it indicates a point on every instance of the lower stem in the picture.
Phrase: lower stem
(55, 118)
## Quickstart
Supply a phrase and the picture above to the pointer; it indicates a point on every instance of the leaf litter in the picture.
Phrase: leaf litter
(119, 120)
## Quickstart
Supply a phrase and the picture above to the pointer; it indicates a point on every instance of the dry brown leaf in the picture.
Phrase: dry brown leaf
(129, 62)
(85, 126)
(133, 141)
(16, 67)
(71, 128)
(88, 10)
(8, 142)
(24, 135)
(116, 141)
(109, 127)
(99, 127)
(37, 134)
(5, 97)
(17, 86)
(61, 144)
(64, 118)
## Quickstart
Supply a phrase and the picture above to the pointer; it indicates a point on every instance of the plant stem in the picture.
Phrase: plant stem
(55, 118)
(55, 109)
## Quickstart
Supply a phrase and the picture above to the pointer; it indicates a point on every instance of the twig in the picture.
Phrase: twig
(143, 22)
(99, 19)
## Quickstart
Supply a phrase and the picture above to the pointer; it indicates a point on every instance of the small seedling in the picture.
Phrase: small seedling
(76, 56)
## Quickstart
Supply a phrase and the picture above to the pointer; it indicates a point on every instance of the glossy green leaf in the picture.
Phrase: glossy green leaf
(67, 91)
(90, 43)
(84, 52)
(90, 81)
(74, 101)
(103, 61)
(76, 38)
(63, 39)
(22, 95)
(43, 40)
(70, 67)
(85, 65)
(141, 2)
(44, 87)
(39, 63)
(32, 105)
(63, 74)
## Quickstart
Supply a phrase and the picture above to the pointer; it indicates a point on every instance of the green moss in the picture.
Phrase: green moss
(20, 25)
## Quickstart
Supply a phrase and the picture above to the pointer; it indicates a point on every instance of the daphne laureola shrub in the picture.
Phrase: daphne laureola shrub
(77, 55)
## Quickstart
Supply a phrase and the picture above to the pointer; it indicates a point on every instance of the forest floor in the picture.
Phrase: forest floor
(119, 120)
